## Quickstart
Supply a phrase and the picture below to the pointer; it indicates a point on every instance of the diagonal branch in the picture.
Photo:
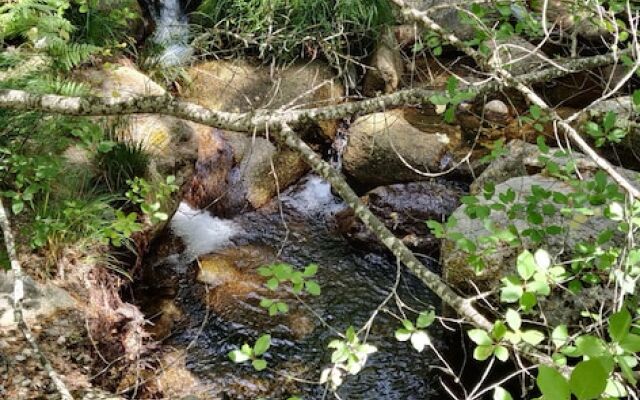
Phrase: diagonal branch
(508, 79)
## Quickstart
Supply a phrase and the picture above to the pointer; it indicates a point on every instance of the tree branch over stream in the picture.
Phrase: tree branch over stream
(507, 79)
(262, 119)
(280, 124)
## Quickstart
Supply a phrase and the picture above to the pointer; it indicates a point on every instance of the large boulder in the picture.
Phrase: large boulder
(263, 168)
(239, 86)
(384, 148)
(563, 232)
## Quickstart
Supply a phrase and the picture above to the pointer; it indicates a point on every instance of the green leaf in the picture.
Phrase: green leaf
(501, 353)
(439, 100)
(310, 270)
(552, 384)
(631, 343)
(262, 345)
(265, 271)
(312, 288)
(259, 364)
(510, 293)
(480, 337)
(588, 380)
(560, 336)
(282, 307)
(590, 346)
(272, 284)
(403, 335)
(532, 337)
(500, 394)
(266, 303)
(513, 319)
(238, 356)
(483, 352)
(17, 207)
(425, 319)
(619, 324)
(526, 265)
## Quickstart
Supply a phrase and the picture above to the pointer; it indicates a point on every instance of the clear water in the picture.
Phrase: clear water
(353, 284)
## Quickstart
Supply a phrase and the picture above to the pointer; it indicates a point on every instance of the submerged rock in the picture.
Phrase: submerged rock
(404, 209)
(234, 290)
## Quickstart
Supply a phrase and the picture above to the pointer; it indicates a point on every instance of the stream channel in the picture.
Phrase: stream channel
(212, 279)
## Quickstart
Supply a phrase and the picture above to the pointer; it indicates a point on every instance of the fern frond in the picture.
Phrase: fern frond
(66, 56)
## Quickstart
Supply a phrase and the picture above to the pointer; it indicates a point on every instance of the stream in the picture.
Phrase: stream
(222, 315)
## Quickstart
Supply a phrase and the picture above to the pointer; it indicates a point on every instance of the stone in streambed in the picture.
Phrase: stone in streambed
(403, 208)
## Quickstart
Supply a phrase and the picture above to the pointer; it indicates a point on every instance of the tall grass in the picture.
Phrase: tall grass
(288, 29)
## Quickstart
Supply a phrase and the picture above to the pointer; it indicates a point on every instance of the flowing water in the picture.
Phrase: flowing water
(172, 33)
(354, 284)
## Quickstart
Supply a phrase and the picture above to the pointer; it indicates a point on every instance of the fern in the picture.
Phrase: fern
(34, 20)
(66, 56)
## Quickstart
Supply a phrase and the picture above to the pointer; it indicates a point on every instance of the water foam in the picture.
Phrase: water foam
(201, 232)
(313, 197)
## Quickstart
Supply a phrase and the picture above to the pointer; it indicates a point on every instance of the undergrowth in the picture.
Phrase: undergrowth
(281, 30)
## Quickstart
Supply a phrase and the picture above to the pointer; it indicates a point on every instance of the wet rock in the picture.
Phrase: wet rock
(403, 208)
(234, 290)
(262, 168)
(384, 147)
(387, 67)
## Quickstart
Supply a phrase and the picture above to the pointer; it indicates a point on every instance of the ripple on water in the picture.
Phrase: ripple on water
(353, 285)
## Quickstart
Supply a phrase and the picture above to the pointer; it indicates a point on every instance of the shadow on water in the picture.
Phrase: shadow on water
(353, 284)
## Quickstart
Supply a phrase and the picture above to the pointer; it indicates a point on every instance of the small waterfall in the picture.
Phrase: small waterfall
(339, 145)
(172, 33)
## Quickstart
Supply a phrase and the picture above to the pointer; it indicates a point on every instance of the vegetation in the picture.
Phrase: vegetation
(280, 30)
(81, 180)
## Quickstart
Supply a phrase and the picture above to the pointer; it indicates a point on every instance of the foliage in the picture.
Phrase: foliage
(285, 30)
(601, 364)
(253, 353)
(415, 332)
(349, 357)
(152, 198)
(119, 162)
